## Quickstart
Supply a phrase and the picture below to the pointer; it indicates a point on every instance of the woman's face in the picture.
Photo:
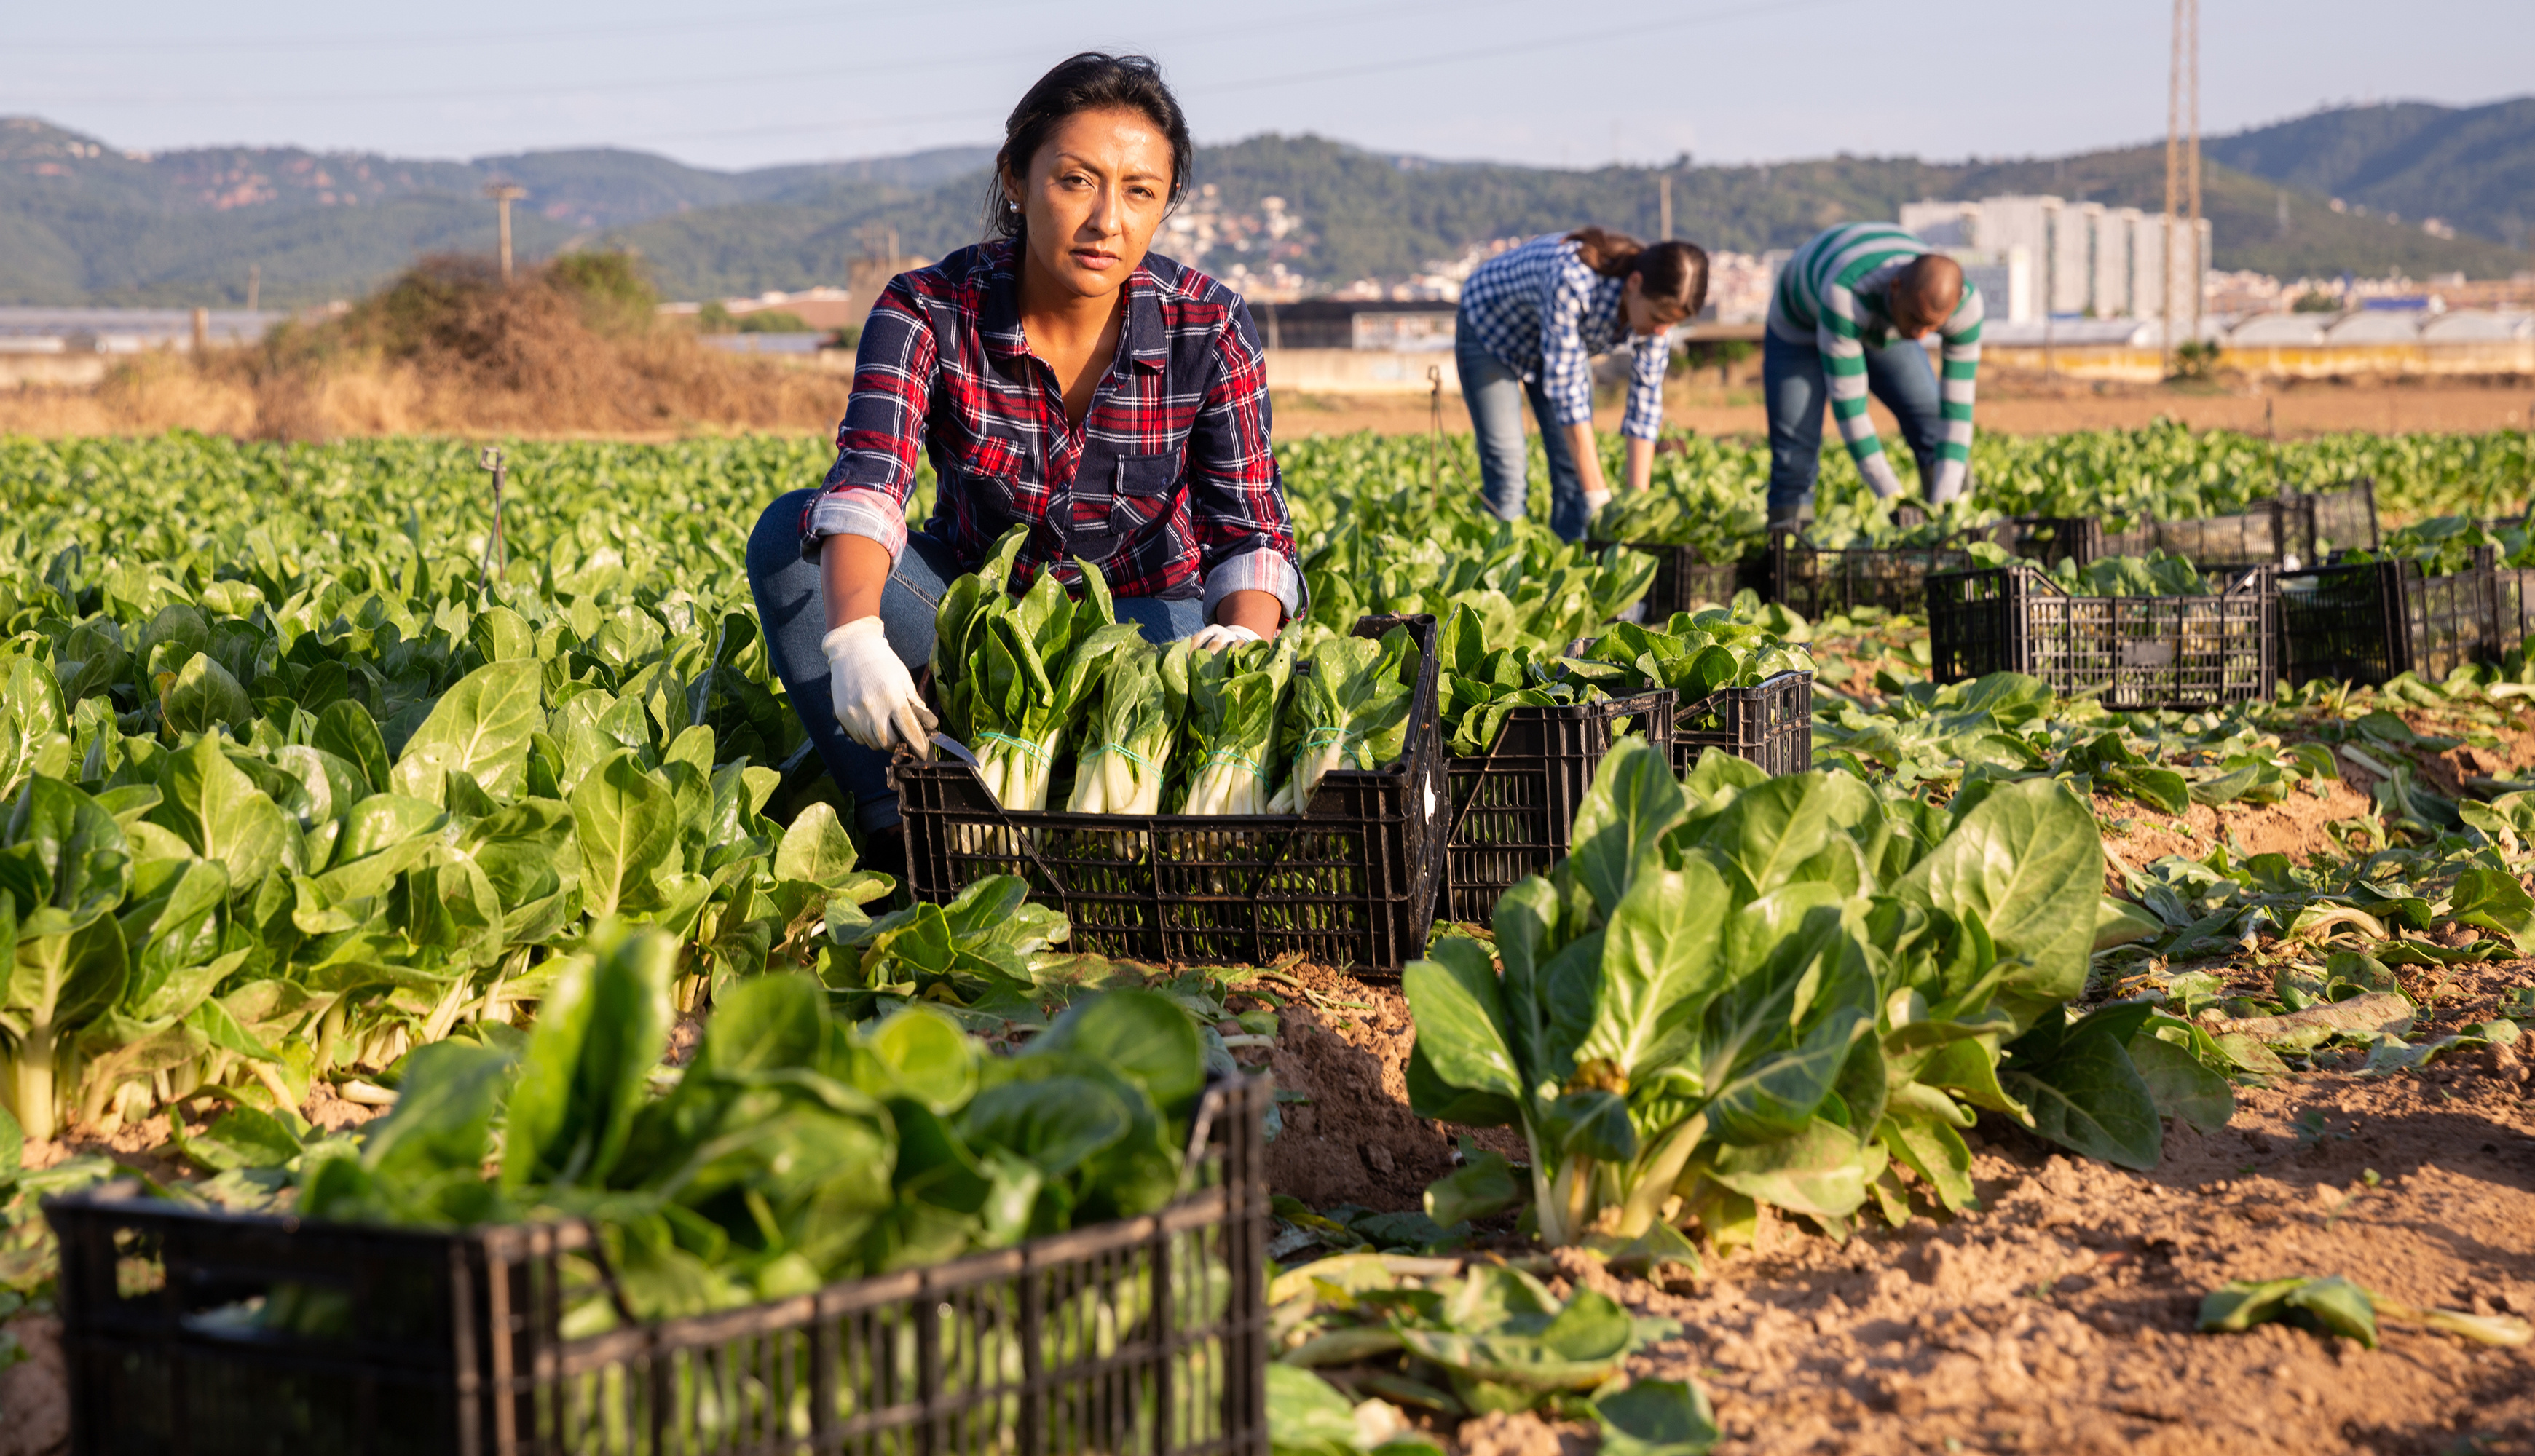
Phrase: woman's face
(1647, 314)
(1093, 194)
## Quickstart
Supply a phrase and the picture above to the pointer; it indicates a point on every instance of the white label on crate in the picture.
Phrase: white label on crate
(2147, 654)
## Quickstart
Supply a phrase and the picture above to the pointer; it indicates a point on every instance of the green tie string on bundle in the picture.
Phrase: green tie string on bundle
(1127, 736)
(1234, 699)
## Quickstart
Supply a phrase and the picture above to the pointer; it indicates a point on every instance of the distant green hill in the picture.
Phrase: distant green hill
(82, 223)
(2472, 166)
(1365, 214)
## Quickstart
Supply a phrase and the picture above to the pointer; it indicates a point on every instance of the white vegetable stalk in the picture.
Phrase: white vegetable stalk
(1127, 743)
(1234, 699)
(1324, 748)
(1114, 778)
(1017, 770)
(1229, 781)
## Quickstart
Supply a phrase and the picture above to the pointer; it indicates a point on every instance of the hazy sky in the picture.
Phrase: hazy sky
(759, 82)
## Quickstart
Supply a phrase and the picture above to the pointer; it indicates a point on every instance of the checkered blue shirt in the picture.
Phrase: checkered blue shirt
(1544, 314)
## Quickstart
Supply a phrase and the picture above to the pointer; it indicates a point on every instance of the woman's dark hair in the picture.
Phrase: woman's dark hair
(1093, 81)
(1674, 271)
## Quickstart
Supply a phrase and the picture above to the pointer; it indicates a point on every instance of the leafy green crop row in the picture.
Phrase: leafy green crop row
(796, 1148)
(1710, 492)
(294, 789)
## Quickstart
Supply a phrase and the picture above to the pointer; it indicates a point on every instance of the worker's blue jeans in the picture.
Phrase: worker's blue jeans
(1796, 389)
(1494, 395)
(795, 619)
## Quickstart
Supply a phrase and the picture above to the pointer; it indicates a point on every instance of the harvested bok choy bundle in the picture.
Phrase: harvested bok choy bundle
(1230, 741)
(1350, 710)
(1126, 740)
(1014, 673)
(1695, 653)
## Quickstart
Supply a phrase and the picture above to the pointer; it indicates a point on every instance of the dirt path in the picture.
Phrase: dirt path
(2060, 1316)
(2015, 404)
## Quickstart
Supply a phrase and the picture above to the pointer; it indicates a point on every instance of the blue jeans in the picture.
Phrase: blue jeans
(795, 620)
(1793, 382)
(1495, 393)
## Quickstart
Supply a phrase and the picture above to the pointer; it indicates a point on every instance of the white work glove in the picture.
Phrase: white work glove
(874, 697)
(1222, 635)
(1594, 500)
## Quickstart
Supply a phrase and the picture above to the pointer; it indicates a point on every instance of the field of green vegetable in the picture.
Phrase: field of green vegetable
(321, 803)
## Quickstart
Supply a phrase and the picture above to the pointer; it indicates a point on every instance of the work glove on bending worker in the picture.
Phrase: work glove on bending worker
(1221, 636)
(872, 691)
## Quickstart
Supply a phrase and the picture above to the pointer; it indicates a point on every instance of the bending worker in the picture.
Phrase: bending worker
(1848, 312)
(1531, 319)
(1058, 375)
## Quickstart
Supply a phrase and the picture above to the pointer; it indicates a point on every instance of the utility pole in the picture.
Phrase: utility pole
(2173, 179)
(1663, 207)
(2199, 263)
(503, 195)
(254, 284)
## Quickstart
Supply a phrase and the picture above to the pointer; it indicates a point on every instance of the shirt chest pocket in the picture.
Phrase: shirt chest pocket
(987, 473)
(1106, 506)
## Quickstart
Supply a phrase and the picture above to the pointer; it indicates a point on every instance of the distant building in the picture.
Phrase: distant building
(2085, 259)
(1395, 325)
(125, 331)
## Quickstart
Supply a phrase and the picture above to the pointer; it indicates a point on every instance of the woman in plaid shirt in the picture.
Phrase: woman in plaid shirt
(1531, 319)
(1058, 375)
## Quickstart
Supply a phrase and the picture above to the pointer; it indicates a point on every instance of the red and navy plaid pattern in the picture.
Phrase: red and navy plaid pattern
(1169, 486)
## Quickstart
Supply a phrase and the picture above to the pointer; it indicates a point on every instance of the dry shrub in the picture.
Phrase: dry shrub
(568, 348)
(143, 396)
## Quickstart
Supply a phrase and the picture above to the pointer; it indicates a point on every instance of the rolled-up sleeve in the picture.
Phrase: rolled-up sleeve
(1236, 495)
(878, 443)
(1644, 418)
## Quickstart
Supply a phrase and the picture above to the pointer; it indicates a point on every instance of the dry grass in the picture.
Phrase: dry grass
(450, 349)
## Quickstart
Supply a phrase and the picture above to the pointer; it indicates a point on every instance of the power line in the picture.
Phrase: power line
(582, 35)
(688, 82)
(1297, 78)
(1530, 47)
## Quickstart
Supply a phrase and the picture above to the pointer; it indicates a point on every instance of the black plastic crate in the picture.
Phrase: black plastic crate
(1351, 880)
(1815, 582)
(1685, 580)
(1769, 723)
(1146, 1335)
(2365, 621)
(2180, 653)
(2332, 522)
(2303, 528)
(2263, 533)
(2082, 538)
(1513, 807)
(2515, 605)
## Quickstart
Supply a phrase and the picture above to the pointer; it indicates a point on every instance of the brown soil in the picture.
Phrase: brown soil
(144, 1146)
(34, 1394)
(2024, 405)
(2294, 826)
(1354, 1140)
(2060, 1316)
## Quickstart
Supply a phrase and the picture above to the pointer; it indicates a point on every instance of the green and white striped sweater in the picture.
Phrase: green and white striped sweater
(1831, 295)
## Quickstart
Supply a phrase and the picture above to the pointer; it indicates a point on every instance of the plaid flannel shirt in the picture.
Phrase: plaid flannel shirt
(1544, 314)
(1169, 485)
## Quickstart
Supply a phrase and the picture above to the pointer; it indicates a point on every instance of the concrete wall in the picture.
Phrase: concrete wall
(2287, 361)
(1360, 372)
(53, 371)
